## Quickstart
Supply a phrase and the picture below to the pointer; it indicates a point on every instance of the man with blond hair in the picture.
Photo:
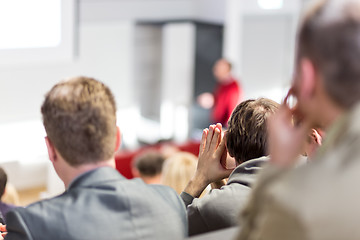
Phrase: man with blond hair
(79, 116)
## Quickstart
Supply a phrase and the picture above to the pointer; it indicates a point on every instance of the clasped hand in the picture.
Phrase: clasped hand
(286, 138)
(209, 168)
(212, 153)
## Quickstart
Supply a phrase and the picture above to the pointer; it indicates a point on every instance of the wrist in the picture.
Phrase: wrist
(218, 184)
(196, 186)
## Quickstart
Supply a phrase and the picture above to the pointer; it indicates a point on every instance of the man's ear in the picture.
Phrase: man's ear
(118, 138)
(231, 155)
(308, 77)
(51, 150)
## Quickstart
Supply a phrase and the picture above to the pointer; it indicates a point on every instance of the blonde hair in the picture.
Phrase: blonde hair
(178, 170)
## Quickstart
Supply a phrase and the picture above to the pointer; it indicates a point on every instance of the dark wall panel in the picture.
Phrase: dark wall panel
(209, 42)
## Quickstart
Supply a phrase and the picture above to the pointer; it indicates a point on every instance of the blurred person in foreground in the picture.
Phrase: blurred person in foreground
(147, 165)
(79, 116)
(246, 141)
(320, 200)
(226, 96)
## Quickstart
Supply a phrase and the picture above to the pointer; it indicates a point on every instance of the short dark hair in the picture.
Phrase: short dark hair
(331, 41)
(149, 162)
(247, 131)
(79, 116)
(3, 181)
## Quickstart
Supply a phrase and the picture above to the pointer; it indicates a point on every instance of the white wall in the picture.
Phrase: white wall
(260, 43)
(267, 54)
(210, 10)
(152, 10)
(177, 79)
(104, 53)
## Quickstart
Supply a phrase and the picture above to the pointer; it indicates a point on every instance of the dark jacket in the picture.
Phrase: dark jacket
(221, 207)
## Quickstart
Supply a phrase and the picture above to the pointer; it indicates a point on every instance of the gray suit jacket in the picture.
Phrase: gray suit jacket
(221, 207)
(102, 204)
(318, 201)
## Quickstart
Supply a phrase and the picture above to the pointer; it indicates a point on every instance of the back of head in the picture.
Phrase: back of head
(79, 116)
(3, 181)
(178, 170)
(247, 133)
(149, 163)
(329, 36)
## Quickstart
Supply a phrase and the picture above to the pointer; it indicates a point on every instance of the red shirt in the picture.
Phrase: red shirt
(227, 96)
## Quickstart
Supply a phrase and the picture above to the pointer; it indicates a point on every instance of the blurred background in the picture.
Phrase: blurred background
(155, 55)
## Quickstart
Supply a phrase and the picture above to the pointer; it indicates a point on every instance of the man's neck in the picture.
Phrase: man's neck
(74, 172)
(328, 110)
(330, 114)
(152, 179)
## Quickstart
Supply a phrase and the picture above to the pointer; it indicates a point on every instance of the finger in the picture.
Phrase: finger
(3, 228)
(220, 138)
(209, 137)
(289, 93)
(219, 126)
(293, 109)
(215, 140)
(275, 125)
(304, 128)
(282, 117)
(224, 137)
(221, 148)
(203, 140)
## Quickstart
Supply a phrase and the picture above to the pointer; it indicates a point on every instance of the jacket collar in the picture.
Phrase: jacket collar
(245, 172)
(95, 177)
(345, 127)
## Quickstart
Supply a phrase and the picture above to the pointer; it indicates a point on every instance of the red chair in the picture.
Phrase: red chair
(123, 159)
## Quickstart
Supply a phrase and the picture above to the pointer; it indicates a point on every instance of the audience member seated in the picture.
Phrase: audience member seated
(246, 141)
(79, 116)
(178, 170)
(124, 158)
(148, 165)
(319, 200)
(4, 207)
